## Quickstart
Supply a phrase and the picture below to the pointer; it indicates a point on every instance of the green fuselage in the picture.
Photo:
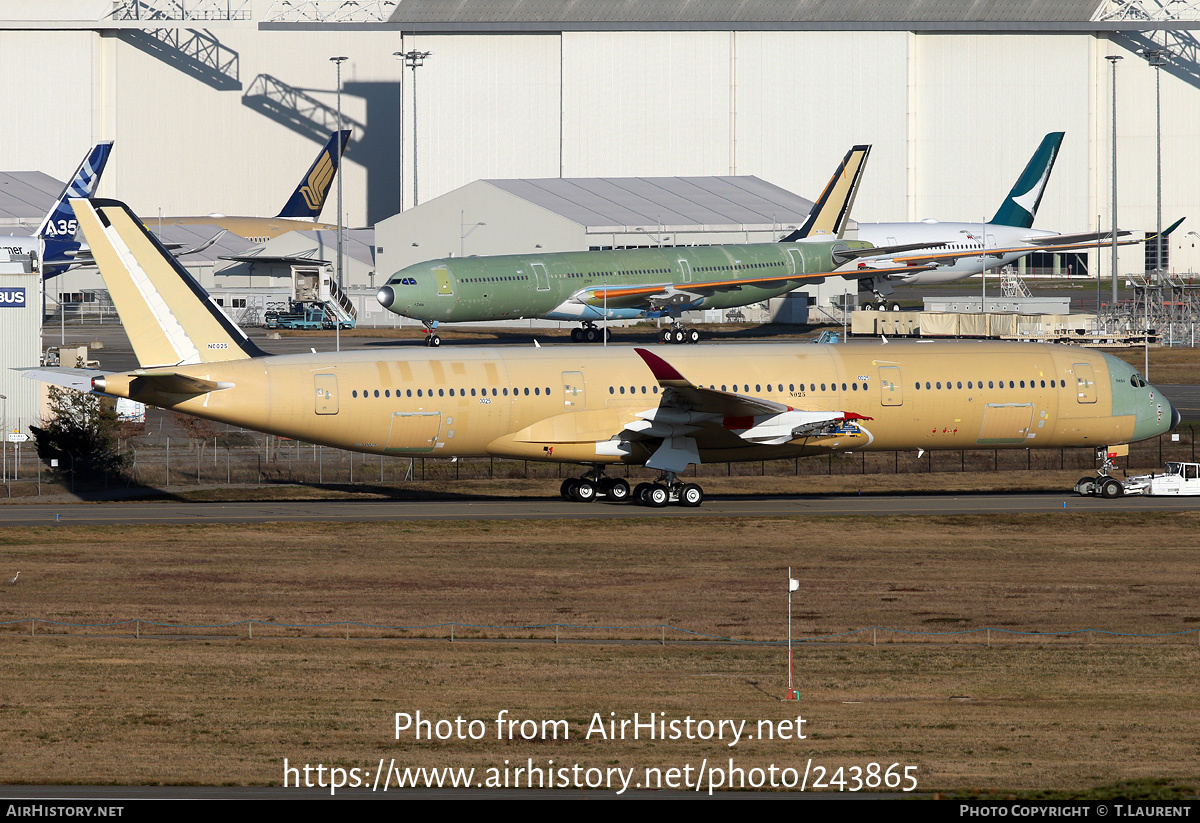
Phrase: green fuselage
(596, 285)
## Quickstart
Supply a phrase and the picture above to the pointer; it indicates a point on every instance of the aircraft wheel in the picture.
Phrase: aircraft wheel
(691, 496)
(607, 336)
(1086, 486)
(565, 490)
(576, 335)
(665, 336)
(639, 493)
(591, 335)
(678, 336)
(584, 491)
(657, 496)
(693, 336)
(433, 340)
(1111, 489)
(617, 490)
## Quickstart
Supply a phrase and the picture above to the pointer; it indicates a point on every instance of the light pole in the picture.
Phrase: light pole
(338, 62)
(399, 55)
(1113, 58)
(4, 442)
(414, 59)
(1157, 57)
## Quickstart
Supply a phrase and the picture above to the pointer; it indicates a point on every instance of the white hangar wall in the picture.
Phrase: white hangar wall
(953, 118)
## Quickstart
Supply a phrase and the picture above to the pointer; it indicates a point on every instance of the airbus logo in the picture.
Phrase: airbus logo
(12, 297)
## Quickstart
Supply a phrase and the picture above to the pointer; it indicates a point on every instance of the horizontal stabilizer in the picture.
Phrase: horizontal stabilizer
(77, 379)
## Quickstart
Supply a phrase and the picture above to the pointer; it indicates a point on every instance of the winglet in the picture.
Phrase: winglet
(664, 372)
(1019, 208)
(309, 197)
(1167, 231)
(832, 209)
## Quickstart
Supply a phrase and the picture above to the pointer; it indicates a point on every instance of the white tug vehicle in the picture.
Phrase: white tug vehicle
(1178, 479)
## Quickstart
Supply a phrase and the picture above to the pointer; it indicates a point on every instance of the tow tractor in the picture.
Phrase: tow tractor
(1178, 479)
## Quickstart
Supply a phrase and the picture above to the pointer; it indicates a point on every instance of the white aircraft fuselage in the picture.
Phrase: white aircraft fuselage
(967, 238)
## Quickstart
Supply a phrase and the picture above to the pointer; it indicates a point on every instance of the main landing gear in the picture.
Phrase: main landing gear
(589, 334)
(668, 489)
(679, 334)
(593, 484)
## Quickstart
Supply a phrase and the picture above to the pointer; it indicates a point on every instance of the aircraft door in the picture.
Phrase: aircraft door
(539, 274)
(414, 432)
(445, 283)
(797, 258)
(685, 268)
(1085, 382)
(890, 386)
(326, 393)
(574, 397)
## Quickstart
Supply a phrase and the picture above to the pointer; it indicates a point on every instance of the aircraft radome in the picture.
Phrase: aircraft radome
(604, 406)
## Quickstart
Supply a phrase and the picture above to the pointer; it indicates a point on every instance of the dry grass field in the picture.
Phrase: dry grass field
(213, 706)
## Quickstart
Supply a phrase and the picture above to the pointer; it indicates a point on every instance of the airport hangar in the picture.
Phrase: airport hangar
(217, 106)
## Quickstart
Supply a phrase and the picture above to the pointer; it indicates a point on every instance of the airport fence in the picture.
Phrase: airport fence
(660, 634)
(239, 458)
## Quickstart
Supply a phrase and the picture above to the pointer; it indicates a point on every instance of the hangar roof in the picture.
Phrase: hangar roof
(25, 197)
(623, 203)
(593, 14)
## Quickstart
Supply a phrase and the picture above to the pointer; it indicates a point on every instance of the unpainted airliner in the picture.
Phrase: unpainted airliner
(617, 405)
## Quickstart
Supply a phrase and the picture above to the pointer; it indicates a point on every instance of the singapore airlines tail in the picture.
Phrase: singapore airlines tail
(832, 209)
(1021, 205)
(170, 319)
(309, 197)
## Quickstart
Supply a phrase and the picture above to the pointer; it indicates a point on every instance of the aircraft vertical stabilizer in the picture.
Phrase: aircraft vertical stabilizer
(168, 316)
(309, 197)
(58, 228)
(1021, 205)
(832, 209)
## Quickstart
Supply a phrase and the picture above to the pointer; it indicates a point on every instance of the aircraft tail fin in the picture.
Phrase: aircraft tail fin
(170, 319)
(59, 223)
(1021, 205)
(832, 209)
(309, 197)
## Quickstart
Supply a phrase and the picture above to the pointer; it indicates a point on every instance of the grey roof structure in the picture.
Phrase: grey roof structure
(25, 197)
(603, 204)
(418, 15)
(316, 246)
(193, 236)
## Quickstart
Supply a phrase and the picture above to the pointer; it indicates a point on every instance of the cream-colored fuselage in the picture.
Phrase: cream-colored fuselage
(569, 403)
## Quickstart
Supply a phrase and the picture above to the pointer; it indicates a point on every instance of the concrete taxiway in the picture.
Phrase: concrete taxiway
(177, 512)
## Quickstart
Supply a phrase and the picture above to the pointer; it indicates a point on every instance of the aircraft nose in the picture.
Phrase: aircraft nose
(386, 296)
(1176, 417)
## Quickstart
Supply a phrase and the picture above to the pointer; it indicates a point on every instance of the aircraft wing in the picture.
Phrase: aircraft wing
(691, 417)
(665, 293)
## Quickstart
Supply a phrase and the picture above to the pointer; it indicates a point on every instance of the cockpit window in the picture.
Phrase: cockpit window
(1137, 381)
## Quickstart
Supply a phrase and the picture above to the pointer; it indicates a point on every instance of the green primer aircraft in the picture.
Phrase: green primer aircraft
(638, 283)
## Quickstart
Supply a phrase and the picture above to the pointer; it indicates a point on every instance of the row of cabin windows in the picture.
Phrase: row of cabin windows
(537, 391)
(493, 279)
(1012, 384)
